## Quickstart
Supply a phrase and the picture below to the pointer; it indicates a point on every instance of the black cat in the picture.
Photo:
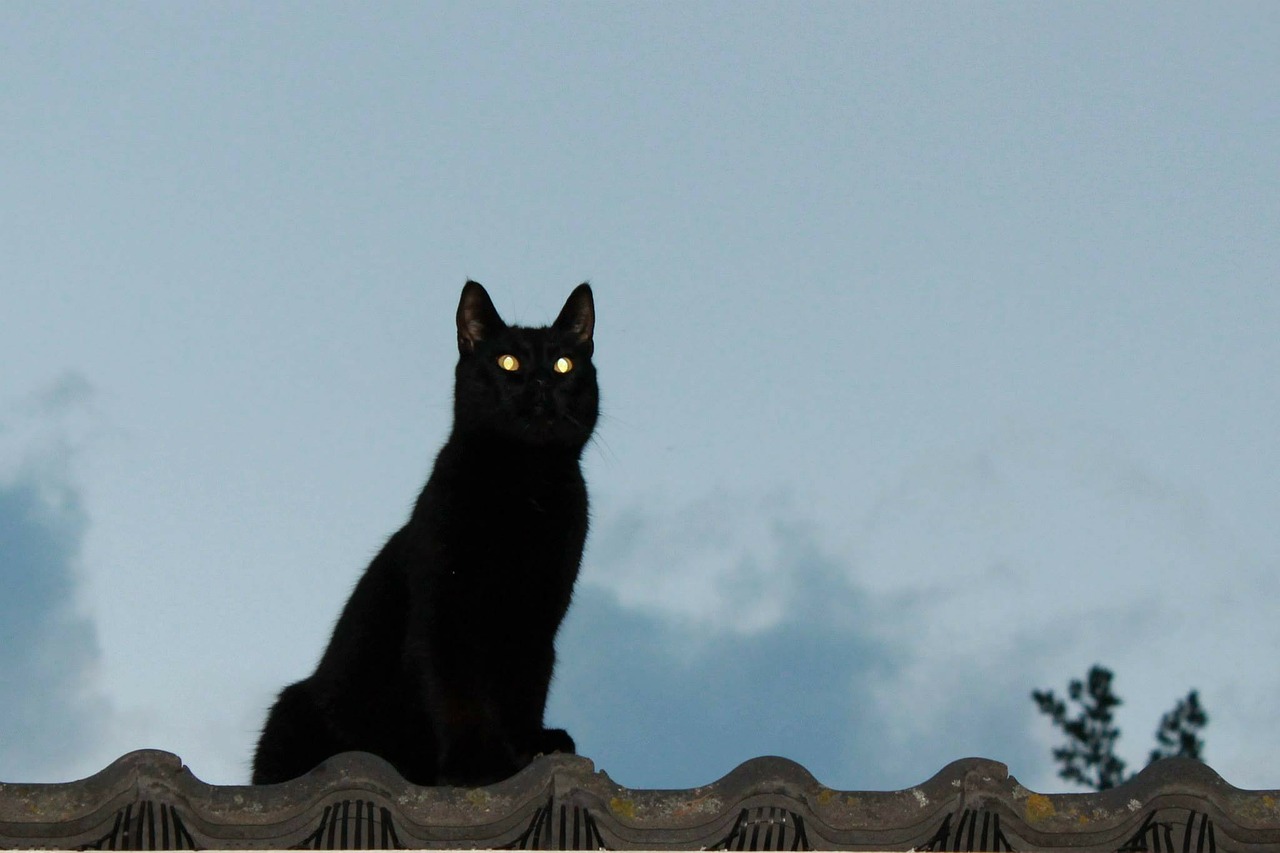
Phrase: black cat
(441, 660)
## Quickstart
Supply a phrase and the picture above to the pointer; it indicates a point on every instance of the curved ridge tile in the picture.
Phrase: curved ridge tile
(148, 800)
(75, 814)
(359, 800)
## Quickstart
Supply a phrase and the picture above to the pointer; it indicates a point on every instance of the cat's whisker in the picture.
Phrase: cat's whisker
(606, 452)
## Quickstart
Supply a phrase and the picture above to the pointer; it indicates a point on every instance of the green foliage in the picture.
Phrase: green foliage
(1087, 718)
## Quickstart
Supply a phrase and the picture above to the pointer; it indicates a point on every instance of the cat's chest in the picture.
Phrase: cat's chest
(508, 487)
(538, 526)
(499, 513)
(509, 566)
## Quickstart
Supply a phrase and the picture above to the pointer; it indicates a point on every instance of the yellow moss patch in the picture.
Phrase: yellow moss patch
(623, 808)
(1039, 807)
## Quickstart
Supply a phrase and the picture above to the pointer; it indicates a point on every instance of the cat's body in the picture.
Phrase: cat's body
(442, 658)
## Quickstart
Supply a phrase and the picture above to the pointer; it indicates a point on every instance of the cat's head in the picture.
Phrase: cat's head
(534, 385)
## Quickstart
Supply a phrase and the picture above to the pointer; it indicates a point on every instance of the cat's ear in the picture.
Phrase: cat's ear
(477, 318)
(578, 317)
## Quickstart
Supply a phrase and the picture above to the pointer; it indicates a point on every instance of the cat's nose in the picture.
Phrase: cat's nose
(541, 398)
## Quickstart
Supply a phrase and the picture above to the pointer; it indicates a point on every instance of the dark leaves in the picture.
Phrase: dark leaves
(1087, 718)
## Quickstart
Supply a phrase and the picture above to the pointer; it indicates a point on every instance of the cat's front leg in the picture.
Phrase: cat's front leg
(471, 744)
(523, 703)
(474, 757)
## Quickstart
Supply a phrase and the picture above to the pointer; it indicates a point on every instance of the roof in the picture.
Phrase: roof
(148, 800)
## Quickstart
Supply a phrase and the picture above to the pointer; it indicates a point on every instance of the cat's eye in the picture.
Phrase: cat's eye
(562, 365)
(509, 363)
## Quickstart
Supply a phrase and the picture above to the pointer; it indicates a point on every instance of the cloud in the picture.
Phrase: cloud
(708, 632)
(723, 564)
(686, 654)
(1027, 557)
(48, 650)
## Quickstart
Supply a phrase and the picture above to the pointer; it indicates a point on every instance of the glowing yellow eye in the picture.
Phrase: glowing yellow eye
(562, 365)
(509, 363)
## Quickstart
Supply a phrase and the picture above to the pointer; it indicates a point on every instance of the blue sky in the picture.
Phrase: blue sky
(937, 347)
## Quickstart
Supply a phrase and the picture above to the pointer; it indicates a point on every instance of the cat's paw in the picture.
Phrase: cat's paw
(554, 740)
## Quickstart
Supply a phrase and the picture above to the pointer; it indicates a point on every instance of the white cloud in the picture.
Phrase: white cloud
(997, 569)
(717, 564)
(711, 682)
